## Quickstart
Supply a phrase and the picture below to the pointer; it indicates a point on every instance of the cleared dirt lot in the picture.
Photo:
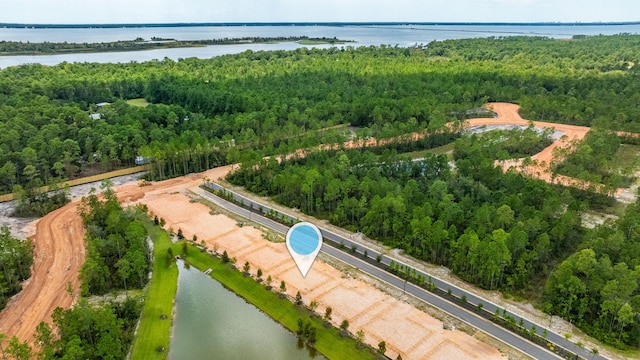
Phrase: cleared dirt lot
(405, 329)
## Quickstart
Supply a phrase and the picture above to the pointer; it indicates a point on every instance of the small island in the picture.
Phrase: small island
(8, 48)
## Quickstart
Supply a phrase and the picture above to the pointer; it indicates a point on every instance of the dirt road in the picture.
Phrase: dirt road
(59, 254)
(540, 166)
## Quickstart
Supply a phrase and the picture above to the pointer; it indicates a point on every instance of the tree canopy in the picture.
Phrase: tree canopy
(274, 102)
(494, 229)
(597, 287)
(117, 246)
(16, 257)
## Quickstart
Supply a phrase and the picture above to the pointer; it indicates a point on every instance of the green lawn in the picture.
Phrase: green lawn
(138, 102)
(329, 342)
(154, 332)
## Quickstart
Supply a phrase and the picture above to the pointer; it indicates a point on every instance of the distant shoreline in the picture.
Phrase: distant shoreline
(336, 24)
(11, 48)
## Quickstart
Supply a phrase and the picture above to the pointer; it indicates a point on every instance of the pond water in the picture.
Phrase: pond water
(212, 322)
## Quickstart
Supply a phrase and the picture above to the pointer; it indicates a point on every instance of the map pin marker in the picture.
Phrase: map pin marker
(304, 241)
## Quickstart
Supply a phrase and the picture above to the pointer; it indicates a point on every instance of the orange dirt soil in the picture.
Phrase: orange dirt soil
(541, 162)
(59, 254)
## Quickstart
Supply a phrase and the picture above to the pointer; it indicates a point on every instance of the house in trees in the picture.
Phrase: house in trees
(141, 160)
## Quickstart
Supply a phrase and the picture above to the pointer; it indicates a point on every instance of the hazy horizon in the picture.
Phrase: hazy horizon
(79, 12)
(312, 23)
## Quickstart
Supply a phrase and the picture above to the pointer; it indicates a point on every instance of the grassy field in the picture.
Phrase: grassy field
(329, 342)
(440, 150)
(142, 102)
(153, 331)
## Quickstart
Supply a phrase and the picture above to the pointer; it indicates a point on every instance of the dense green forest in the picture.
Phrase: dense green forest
(597, 288)
(16, 257)
(498, 230)
(117, 259)
(592, 160)
(117, 246)
(89, 331)
(270, 100)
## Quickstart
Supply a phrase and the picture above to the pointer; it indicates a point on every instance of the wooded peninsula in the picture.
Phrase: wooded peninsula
(139, 44)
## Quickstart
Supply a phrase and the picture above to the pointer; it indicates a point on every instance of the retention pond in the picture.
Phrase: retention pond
(212, 322)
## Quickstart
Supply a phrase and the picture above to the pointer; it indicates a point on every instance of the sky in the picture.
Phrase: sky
(172, 11)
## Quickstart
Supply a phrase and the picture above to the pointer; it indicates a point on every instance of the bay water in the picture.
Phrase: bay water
(402, 35)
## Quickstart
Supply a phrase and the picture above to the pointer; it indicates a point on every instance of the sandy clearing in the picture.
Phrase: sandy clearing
(21, 228)
(541, 162)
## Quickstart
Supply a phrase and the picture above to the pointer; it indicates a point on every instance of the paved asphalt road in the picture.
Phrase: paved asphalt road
(473, 319)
